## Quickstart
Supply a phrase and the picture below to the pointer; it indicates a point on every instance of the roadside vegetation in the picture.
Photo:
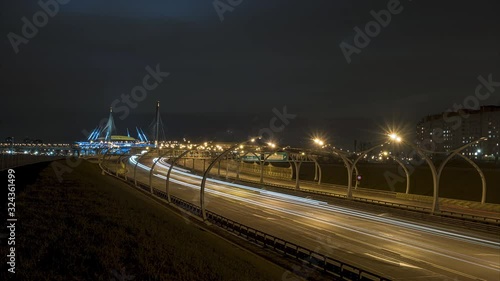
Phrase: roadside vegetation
(94, 227)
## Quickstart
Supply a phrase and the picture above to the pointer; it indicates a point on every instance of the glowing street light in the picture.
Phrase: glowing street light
(319, 141)
(395, 137)
(432, 167)
(207, 171)
(339, 153)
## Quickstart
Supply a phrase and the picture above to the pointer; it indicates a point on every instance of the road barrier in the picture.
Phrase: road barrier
(451, 202)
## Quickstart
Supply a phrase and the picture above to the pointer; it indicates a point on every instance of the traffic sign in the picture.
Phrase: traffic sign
(250, 158)
(277, 157)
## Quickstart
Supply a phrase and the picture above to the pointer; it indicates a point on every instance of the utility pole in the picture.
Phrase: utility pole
(157, 123)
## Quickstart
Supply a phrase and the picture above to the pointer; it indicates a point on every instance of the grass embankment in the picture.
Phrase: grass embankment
(94, 227)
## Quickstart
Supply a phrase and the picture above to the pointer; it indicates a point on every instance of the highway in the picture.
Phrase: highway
(399, 250)
(336, 189)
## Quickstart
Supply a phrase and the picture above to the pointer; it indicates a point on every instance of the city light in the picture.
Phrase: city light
(319, 141)
(395, 137)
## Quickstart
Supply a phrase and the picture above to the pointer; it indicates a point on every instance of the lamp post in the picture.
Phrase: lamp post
(153, 167)
(350, 165)
(407, 173)
(343, 156)
(456, 152)
(135, 166)
(172, 164)
(263, 161)
(361, 155)
(432, 167)
(436, 173)
(317, 171)
(206, 172)
(481, 174)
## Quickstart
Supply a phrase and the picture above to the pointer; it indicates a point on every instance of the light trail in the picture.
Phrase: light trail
(285, 198)
(257, 197)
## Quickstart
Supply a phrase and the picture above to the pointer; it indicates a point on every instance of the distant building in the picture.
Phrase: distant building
(451, 130)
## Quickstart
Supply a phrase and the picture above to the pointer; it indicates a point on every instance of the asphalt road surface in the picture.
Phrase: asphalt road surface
(397, 249)
(336, 189)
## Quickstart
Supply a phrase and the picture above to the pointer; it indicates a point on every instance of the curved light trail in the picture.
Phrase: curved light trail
(316, 214)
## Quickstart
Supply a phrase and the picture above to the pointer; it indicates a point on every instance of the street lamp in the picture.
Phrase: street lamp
(457, 151)
(435, 177)
(407, 173)
(395, 137)
(343, 156)
(173, 163)
(392, 137)
(319, 141)
(436, 174)
(361, 155)
(207, 171)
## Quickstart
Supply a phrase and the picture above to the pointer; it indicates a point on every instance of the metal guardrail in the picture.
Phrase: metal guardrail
(469, 217)
(330, 266)
(319, 261)
(361, 189)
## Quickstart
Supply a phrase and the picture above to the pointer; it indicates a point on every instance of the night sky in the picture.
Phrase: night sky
(227, 76)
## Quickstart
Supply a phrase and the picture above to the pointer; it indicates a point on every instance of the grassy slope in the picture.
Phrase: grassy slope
(91, 225)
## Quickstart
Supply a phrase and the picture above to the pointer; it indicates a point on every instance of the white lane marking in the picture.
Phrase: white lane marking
(392, 261)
